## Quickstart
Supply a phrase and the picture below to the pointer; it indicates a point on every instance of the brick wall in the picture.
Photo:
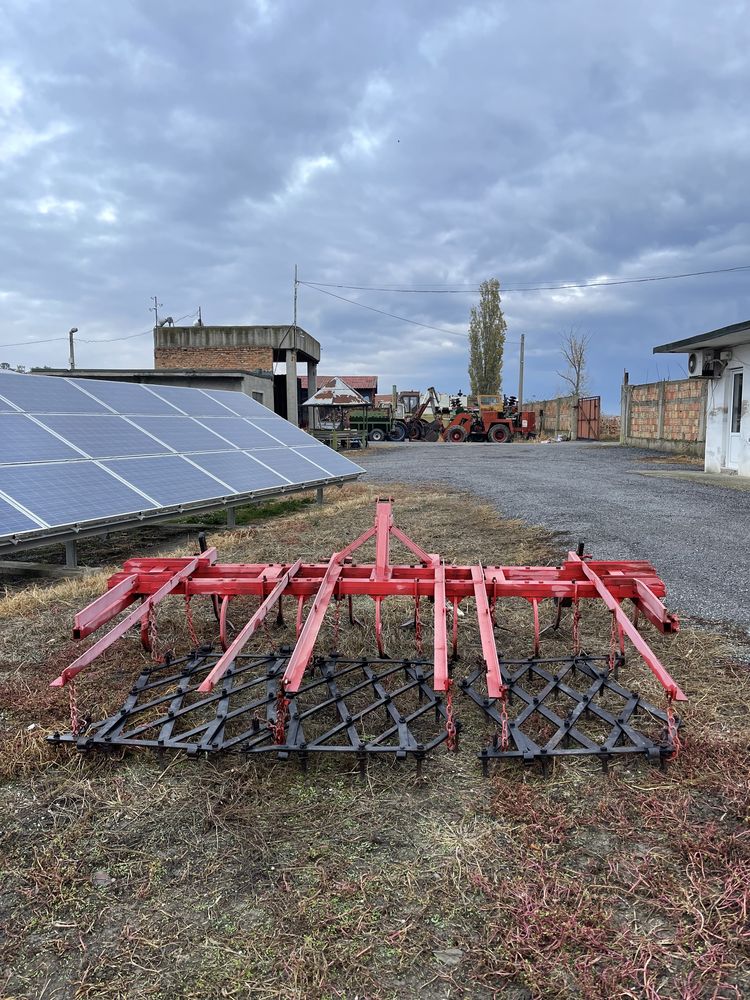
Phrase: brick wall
(554, 416)
(228, 358)
(666, 415)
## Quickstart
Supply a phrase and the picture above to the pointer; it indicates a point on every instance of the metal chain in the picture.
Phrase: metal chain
(74, 720)
(673, 732)
(278, 728)
(417, 626)
(576, 628)
(504, 725)
(450, 722)
(190, 623)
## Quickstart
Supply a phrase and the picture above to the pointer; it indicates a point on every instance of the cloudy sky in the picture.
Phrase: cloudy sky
(198, 150)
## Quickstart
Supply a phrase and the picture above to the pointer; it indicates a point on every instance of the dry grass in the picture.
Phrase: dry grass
(130, 877)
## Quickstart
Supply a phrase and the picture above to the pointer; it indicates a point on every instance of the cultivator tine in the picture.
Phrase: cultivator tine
(298, 703)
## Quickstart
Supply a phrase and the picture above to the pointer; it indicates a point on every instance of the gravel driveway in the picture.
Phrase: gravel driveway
(696, 535)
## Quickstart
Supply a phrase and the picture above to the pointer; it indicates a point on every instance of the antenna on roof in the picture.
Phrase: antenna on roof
(155, 308)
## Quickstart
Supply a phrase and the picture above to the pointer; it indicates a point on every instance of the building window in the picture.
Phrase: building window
(736, 402)
(258, 397)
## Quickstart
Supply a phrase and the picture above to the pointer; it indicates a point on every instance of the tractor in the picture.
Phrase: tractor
(415, 427)
(495, 420)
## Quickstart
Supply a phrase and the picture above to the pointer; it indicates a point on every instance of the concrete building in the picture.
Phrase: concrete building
(257, 384)
(240, 348)
(721, 358)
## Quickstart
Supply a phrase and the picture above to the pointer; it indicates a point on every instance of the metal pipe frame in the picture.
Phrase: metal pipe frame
(579, 578)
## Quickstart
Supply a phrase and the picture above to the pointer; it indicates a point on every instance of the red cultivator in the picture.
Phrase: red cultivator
(291, 702)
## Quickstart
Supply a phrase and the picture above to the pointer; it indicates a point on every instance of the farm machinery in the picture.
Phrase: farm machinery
(271, 686)
(414, 427)
(495, 420)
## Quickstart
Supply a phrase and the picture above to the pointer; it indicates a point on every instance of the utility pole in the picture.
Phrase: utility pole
(520, 373)
(155, 309)
(72, 355)
(200, 317)
(294, 334)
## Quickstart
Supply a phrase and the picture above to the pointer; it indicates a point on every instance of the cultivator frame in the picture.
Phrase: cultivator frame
(207, 681)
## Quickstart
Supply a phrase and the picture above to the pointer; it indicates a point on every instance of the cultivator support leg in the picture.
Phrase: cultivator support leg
(298, 703)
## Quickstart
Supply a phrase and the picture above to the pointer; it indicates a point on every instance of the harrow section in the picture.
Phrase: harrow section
(294, 702)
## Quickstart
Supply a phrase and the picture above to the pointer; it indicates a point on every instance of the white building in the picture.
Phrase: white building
(723, 358)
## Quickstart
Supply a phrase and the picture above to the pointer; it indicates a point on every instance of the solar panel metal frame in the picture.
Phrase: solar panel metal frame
(18, 541)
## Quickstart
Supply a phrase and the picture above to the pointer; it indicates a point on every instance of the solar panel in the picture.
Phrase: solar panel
(290, 464)
(25, 441)
(131, 398)
(328, 459)
(283, 431)
(194, 402)
(240, 470)
(104, 435)
(169, 479)
(69, 492)
(183, 433)
(13, 520)
(59, 396)
(241, 432)
(241, 404)
(78, 451)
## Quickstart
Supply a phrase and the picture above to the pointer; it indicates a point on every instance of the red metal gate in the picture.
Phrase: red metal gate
(589, 418)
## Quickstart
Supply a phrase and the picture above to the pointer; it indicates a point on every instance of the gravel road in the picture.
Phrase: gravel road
(696, 535)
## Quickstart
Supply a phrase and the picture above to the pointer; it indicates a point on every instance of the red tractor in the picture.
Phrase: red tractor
(494, 421)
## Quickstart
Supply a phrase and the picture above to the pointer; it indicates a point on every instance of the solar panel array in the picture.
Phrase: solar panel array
(80, 450)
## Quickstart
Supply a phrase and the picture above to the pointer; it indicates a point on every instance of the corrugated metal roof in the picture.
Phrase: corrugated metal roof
(354, 381)
(337, 393)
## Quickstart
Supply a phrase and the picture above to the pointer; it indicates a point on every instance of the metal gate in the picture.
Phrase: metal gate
(589, 418)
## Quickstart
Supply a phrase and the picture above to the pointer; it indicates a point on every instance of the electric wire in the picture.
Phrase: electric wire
(403, 319)
(549, 287)
(84, 340)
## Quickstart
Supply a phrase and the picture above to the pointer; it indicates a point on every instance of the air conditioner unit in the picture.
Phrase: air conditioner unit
(705, 364)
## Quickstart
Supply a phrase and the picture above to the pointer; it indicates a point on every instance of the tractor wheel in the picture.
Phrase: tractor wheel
(456, 435)
(397, 433)
(416, 431)
(376, 435)
(499, 433)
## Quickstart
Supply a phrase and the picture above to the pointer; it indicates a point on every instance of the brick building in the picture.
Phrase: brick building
(241, 348)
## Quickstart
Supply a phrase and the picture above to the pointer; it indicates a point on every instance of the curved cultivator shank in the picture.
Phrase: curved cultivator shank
(294, 702)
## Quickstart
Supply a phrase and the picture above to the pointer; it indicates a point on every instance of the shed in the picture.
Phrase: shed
(722, 357)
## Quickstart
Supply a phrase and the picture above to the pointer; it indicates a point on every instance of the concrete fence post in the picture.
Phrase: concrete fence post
(557, 416)
(574, 418)
(660, 407)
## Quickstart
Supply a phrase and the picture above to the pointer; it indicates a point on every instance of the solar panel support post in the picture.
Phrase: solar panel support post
(319, 496)
(231, 517)
(71, 553)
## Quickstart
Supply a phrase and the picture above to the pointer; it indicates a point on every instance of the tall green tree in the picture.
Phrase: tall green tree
(486, 340)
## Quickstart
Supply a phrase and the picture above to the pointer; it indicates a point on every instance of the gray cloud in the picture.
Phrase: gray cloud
(200, 150)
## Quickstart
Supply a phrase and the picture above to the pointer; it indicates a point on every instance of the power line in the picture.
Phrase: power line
(528, 288)
(83, 340)
(403, 319)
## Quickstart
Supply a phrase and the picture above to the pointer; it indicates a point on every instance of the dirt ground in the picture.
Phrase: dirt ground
(140, 876)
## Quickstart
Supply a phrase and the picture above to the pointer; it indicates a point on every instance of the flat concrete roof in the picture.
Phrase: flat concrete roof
(725, 336)
(152, 373)
(279, 338)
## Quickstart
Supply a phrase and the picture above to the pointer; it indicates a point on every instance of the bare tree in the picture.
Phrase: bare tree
(574, 349)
